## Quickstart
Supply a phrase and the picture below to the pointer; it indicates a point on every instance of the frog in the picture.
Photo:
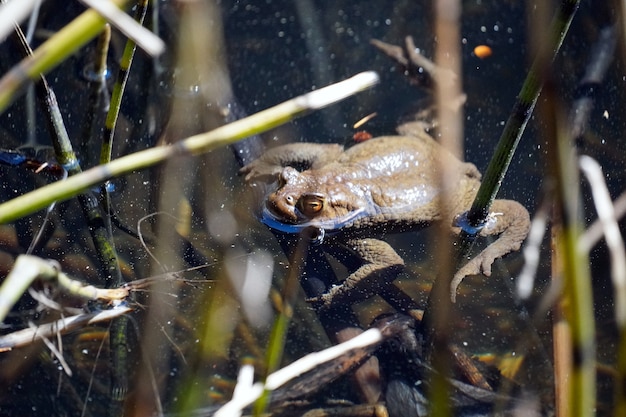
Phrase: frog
(355, 196)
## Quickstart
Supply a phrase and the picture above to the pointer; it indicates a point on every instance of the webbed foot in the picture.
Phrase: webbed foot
(380, 266)
(511, 221)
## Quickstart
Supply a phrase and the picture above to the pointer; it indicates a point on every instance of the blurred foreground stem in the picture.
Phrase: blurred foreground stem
(289, 293)
(576, 302)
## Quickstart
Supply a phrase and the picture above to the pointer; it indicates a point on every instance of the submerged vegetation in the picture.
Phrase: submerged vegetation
(137, 279)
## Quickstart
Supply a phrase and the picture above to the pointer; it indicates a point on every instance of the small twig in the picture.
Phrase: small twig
(142, 239)
(146, 40)
(27, 336)
(92, 378)
(248, 393)
(614, 241)
(55, 351)
(532, 251)
(595, 232)
(45, 301)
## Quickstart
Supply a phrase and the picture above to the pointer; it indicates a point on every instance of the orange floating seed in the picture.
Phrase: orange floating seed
(482, 51)
(361, 136)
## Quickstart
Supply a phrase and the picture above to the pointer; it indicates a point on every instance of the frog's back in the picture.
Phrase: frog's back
(396, 161)
(401, 174)
(388, 150)
(398, 173)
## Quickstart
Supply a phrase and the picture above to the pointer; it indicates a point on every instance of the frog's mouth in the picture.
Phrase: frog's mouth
(331, 225)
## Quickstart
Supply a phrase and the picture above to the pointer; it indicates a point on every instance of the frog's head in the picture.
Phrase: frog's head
(302, 198)
(293, 201)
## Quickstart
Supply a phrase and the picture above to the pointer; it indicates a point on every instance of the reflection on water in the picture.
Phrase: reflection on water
(190, 333)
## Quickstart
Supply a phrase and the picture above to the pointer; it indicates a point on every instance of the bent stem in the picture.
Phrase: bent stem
(28, 268)
(577, 299)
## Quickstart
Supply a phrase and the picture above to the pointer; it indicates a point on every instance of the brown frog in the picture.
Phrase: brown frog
(383, 185)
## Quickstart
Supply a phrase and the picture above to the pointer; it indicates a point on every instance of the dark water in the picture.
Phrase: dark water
(187, 340)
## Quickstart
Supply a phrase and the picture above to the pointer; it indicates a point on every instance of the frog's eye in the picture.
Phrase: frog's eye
(310, 204)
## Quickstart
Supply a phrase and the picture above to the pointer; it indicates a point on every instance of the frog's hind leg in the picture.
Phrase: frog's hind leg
(511, 221)
(377, 265)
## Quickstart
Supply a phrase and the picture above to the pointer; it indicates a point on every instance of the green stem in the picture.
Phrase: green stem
(577, 291)
(118, 88)
(278, 335)
(119, 328)
(100, 233)
(520, 115)
(439, 308)
(66, 156)
(260, 122)
(496, 170)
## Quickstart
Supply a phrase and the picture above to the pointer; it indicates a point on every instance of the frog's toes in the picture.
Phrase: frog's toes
(487, 260)
(486, 266)
(473, 267)
(259, 171)
(320, 303)
(336, 295)
(480, 264)
(314, 301)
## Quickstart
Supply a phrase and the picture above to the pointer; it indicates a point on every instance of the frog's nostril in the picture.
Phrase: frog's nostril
(290, 200)
(281, 207)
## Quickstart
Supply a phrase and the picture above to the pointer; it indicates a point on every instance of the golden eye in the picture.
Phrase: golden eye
(310, 204)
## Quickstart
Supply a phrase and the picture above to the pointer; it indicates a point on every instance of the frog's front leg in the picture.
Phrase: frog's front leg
(511, 221)
(377, 265)
(301, 156)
